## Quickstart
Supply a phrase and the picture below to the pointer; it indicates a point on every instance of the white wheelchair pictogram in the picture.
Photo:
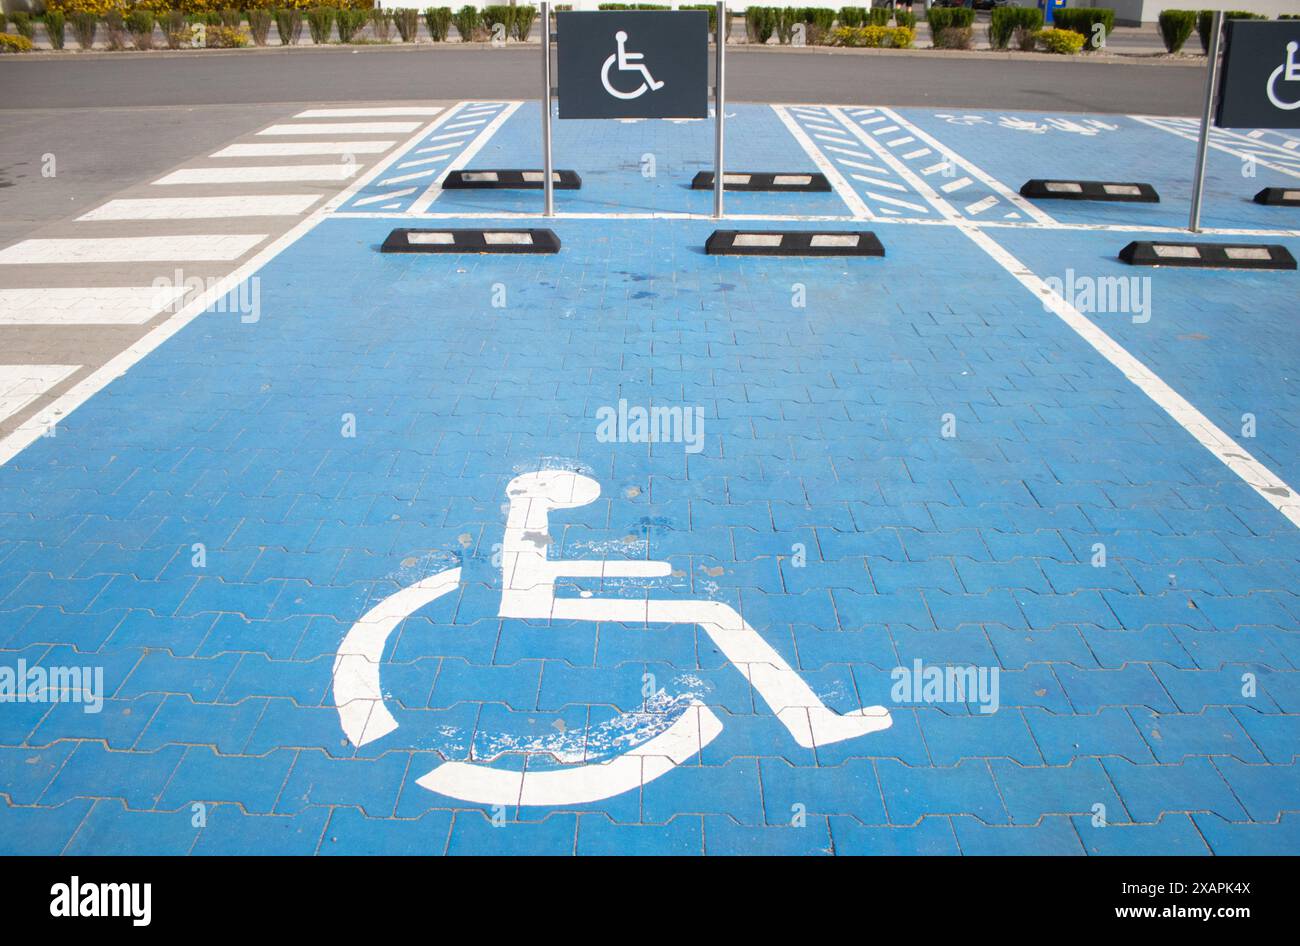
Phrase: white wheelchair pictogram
(1289, 71)
(628, 62)
(528, 591)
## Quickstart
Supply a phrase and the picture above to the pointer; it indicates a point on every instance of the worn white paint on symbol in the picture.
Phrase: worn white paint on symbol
(528, 580)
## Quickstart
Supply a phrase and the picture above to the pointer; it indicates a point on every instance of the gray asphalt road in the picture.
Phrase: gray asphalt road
(413, 72)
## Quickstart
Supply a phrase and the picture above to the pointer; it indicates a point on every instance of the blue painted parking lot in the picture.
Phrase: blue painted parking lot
(928, 554)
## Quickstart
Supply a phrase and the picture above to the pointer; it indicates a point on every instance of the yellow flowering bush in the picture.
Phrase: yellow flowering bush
(873, 37)
(14, 44)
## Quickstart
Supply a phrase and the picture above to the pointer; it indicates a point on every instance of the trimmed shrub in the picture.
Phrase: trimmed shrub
(139, 24)
(954, 37)
(320, 20)
(1093, 24)
(785, 19)
(350, 23)
(1006, 20)
(1175, 27)
(177, 31)
(288, 24)
(525, 17)
(224, 37)
(14, 44)
(821, 17)
(1205, 19)
(905, 18)
(1064, 42)
(381, 24)
(83, 28)
(438, 20)
(878, 16)
(55, 25)
(23, 24)
(852, 16)
(231, 17)
(407, 21)
(116, 29)
(259, 24)
(940, 18)
(872, 37)
(760, 24)
(467, 22)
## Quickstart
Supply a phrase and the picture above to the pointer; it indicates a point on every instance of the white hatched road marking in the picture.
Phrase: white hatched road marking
(1218, 137)
(824, 164)
(199, 247)
(343, 128)
(203, 208)
(290, 149)
(33, 428)
(388, 195)
(22, 384)
(260, 174)
(434, 190)
(113, 305)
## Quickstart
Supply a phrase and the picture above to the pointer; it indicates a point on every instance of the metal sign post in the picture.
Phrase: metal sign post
(548, 185)
(719, 105)
(1207, 116)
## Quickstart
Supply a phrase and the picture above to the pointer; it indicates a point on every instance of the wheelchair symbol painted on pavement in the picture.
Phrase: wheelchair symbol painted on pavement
(628, 62)
(1289, 71)
(528, 591)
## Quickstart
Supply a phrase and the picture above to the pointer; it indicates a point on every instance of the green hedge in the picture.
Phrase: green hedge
(1205, 20)
(1005, 21)
(1175, 27)
(941, 18)
(1085, 22)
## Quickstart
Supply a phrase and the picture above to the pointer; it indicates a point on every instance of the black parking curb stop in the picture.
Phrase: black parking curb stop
(1279, 196)
(811, 181)
(793, 243)
(1208, 255)
(404, 240)
(509, 178)
(1129, 192)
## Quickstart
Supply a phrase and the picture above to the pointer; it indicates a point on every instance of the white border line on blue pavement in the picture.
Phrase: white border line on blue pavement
(1237, 459)
(34, 427)
(434, 191)
(1154, 122)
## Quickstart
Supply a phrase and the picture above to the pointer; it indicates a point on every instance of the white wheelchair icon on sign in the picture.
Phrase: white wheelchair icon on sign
(628, 62)
(1289, 71)
(528, 591)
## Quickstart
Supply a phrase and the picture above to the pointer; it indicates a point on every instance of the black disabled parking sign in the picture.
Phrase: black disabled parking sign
(1261, 76)
(635, 64)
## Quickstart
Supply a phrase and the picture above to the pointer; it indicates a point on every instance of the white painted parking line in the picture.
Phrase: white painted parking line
(387, 195)
(1027, 207)
(847, 192)
(432, 192)
(199, 247)
(1222, 142)
(22, 384)
(381, 111)
(289, 149)
(109, 305)
(981, 205)
(956, 185)
(261, 174)
(343, 128)
(1235, 457)
(203, 208)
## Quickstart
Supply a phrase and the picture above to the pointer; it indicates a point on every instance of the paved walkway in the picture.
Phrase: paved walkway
(959, 557)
